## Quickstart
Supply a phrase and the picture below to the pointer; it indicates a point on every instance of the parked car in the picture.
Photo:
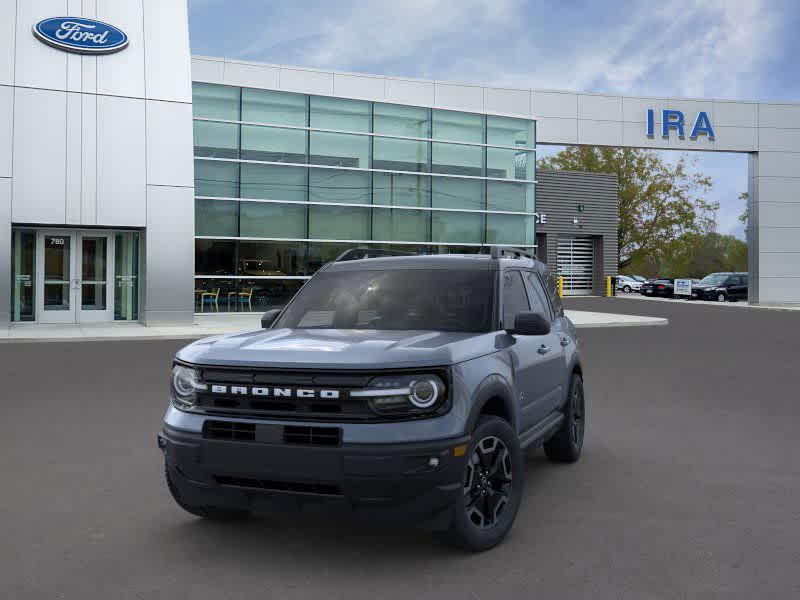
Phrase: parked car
(638, 278)
(721, 287)
(627, 284)
(663, 288)
(395, 404)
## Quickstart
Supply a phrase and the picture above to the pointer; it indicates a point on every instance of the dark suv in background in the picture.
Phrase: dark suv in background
(404, 386)
(721, 287)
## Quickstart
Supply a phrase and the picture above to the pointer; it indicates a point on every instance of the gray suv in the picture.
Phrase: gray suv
(398, 387)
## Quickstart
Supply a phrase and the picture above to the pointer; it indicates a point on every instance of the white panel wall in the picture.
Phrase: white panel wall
(121, 73)
(8, 24)
(36, 64)
(74, 159)
(169, 144)
(121, 161)
(166, 37)
(39, 156)
(6, 128)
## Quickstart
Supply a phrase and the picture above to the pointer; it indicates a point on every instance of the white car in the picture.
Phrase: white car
(627, 284)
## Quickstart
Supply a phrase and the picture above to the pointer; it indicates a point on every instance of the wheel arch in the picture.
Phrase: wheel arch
(494, 396)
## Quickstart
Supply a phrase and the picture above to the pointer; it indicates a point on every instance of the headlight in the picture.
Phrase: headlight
(399, 395)
(185, 385)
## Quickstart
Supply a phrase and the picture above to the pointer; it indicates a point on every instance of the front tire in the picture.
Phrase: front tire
(566, 445)
(494, 477)
(214, 513)
(627, 289)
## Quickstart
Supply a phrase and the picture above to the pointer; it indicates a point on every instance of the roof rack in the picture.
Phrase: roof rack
(511, 252)
(360, 253)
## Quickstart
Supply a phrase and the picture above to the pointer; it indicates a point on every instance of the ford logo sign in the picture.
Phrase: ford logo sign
(84, 36)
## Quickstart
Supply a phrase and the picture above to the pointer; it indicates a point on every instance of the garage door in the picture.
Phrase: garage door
(576, 264)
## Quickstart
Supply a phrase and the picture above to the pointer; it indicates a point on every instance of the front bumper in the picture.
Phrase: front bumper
(394, 481)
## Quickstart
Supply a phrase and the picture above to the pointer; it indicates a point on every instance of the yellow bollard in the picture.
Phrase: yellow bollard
(608, 287)
(560, 286)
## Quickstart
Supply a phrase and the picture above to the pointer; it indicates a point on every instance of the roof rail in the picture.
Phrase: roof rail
(511, 252)
(359, 253)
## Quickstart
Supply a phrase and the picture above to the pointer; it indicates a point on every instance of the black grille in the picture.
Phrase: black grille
(228, 430)
(290, 487)
(312, 436)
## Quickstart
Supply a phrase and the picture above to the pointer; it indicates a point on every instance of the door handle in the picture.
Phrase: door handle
(543, 349)
(565, 341)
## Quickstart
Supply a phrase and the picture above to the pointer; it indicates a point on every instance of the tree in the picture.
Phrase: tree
(659, 202)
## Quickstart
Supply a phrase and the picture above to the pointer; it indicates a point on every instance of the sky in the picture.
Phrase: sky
(732, 49)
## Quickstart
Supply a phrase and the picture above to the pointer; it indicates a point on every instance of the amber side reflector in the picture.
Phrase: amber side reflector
(460, 450)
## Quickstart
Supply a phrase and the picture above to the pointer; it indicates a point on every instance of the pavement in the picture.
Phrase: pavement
(737, 304)
(206, 325)
(688, 486)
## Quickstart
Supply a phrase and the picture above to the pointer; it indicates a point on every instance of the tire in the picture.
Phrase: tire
(493, 440)
(214, 513)
(627, 289)
(721, 297)
(566, 445)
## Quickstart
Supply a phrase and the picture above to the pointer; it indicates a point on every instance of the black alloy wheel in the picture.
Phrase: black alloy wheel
(567, 443)
(488, 482)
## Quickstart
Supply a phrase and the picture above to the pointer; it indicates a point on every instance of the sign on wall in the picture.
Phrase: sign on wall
(84, 36)
(675, 120)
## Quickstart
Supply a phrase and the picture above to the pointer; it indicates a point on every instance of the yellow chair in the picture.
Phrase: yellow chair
(246, 296)
(212, 297)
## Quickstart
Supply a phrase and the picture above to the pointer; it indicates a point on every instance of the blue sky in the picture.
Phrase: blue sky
(740, 49)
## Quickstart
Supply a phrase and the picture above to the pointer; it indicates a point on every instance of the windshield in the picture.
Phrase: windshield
(427, 299)
(714, 279)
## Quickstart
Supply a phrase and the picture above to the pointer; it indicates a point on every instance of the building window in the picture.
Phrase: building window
(400, 155)
(514, 230)
(401, 225)
(271, 259)
(404, 121)
(215, 101)
(338, 222)
(340, 114)
(339, 150)
(273, 144)
(456, 126)
(338, 185)
(274, 182)
(23, 261)
(216, 218)
(396, 189)
(218, 140)
(451, 192)
(509, 196)
(269, 220)
(460, 228)
(505, 163)
(126, 276)
(507, 131)
(457, 159)
(216, 178)
(214, 257)
(279, 108)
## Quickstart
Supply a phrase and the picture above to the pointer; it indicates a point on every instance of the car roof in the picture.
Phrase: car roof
(478, 262)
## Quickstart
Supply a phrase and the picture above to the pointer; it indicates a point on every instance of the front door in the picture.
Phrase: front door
(73, 272)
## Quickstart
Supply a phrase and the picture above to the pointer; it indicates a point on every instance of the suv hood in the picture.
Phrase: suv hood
(339, 348)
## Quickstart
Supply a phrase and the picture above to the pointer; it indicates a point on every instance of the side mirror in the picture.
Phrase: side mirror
(268, 318)
(530, 323)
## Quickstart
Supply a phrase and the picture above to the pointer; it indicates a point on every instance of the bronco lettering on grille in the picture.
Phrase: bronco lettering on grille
(274, 392)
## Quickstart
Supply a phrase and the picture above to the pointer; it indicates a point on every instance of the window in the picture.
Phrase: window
(514, 230)
(509, 164)
(273, 144)
(509, 196)
(272, 258)
(406, 121)
(216, 178)
(396, 189)
(400, 155)
(280, 108)
(265, 219)
(220, 140)
(444, 300)
(537, 295)
(515, 300)
(400, 225)
(551, 283)
(23, 260)
(339, 222)
(214, 257)
(337, 113)
(452, 192)
(339, 150)
(457, 126)
(215, 101)
(216, 217)
(457, 227)
(457, 159)
(339, 185)
(507, 131)
(273, 182)
(126, 276)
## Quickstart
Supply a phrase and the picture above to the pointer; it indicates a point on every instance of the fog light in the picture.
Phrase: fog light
(433, 462)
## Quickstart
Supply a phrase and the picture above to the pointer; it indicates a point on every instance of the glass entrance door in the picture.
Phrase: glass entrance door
(74, 272)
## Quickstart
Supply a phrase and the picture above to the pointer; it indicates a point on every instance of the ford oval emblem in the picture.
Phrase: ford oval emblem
(76, 34)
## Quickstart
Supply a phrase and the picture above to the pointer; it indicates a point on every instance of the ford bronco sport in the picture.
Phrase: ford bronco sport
(400, 386)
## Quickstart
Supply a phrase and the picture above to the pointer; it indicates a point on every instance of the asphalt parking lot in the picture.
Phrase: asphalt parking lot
(689, 486)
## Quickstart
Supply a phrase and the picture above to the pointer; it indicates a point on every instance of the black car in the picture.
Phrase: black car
(721, 287)
(663, 288)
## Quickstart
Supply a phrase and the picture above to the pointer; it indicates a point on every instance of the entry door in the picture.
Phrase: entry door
(74, 272)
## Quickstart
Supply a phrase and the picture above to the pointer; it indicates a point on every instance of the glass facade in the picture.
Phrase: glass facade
(285, 182)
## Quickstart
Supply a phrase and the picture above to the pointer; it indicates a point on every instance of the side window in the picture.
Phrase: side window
(537, 295)
(515, 300)
(552, 291)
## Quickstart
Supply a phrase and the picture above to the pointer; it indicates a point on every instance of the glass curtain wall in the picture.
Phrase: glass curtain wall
(285, 182)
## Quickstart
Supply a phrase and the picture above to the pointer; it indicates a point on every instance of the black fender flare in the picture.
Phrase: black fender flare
(494, 386)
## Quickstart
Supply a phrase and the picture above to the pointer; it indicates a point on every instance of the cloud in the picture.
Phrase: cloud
(686, 47)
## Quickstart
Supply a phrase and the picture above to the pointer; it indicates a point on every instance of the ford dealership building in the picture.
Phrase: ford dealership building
(138, 183)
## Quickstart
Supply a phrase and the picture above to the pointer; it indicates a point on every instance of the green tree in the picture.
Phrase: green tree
(659, 202)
